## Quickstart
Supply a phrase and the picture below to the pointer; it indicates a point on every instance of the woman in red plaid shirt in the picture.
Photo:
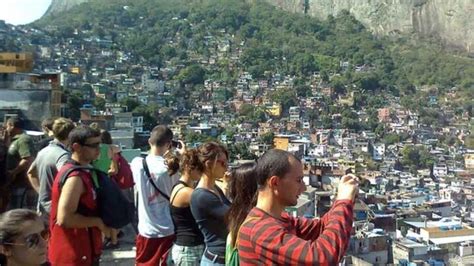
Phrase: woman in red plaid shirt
(269, 236)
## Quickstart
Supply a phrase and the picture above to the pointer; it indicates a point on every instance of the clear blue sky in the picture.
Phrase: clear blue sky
(19, 12)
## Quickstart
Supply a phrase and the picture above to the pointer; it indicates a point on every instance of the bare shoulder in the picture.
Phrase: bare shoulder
(182, 196)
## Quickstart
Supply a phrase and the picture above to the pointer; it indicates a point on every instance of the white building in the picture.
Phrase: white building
(378, 151)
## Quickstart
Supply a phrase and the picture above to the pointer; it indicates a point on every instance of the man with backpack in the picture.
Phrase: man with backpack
(153, 185)
(75, 224)
(49, 160)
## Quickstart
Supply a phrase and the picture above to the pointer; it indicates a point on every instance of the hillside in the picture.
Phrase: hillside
(448, 20)
(271, 40)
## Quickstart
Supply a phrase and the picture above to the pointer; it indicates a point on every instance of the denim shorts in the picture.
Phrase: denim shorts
(187, 256)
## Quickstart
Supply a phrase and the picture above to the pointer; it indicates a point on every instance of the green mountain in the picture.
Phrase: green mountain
(269, 38)
(448, 20)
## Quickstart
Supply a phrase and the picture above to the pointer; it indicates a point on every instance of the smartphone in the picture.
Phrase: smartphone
(176, 144)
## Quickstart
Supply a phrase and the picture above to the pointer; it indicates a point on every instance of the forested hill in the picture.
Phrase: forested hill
(269, 39)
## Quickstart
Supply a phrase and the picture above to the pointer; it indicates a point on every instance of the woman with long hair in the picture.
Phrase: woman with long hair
(209, 205)
(23, 238)
(189, 243)
(242, 191)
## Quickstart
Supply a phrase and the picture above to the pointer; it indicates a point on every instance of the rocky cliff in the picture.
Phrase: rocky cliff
(450, 20)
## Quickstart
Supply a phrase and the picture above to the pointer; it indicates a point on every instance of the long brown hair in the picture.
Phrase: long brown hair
(242, 191)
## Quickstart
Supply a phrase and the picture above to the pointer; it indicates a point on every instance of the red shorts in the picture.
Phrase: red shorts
(153, 251)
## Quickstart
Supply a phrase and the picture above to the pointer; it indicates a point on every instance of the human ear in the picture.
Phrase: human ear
(273, 181)
(75, 146)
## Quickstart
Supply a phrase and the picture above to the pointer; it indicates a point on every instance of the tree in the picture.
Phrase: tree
(267, 138)
(416, 157)
(303, 90)
(130, 103)
(193, 74)
(246, 109)
(99, 103)
(74, 103)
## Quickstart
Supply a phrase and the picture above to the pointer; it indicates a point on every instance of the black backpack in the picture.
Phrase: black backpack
(115, 209)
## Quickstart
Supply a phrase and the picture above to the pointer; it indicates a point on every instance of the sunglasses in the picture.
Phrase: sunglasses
(32, 241)
(92, 145)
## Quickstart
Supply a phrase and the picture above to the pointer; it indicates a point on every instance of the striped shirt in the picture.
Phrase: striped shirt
(265, 240)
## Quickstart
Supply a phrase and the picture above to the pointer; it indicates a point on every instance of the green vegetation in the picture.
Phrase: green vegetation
(416, 157)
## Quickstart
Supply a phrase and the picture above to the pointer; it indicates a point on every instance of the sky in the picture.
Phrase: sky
(18, 12)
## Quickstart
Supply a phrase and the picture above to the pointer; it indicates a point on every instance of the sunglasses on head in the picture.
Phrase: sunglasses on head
(92, 145)
(32, 241)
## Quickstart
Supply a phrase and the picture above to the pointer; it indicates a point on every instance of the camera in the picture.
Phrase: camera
(176, 144)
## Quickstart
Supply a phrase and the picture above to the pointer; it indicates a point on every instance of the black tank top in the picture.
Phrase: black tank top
(185, 227)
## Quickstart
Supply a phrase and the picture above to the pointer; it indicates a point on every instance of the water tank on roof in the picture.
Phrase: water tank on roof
(444, 228)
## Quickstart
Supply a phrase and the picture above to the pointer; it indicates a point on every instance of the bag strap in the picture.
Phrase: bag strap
(147, 173)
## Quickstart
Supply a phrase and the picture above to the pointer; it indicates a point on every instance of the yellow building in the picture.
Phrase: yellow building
(274, 110)
(16, 62)
(75, 70)
(281, 143)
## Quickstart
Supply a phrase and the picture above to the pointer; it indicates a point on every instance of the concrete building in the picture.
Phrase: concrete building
(372, 247)
(294, 113)
(35, 96)
(378, 151)
(16, 62)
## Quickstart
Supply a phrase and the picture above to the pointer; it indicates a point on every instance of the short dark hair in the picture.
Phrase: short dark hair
(81, 133)
(16, 121)
(161, 135)
(273, 163)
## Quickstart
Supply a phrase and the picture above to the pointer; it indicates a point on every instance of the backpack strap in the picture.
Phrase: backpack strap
(147, 173)
(66, 174)
(93, 171)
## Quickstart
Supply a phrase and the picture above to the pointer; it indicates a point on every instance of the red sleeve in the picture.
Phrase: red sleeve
(316, 242)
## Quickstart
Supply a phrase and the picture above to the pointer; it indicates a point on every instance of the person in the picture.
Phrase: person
(47, 127)
(242, 191)
(108, 150)
(20, 155)
(4, 191)
(269, 236)
(75, 225)
(107, 163)
(189, 244)
(23, 238)
(209, 204)
(47, 163)
(155, 226)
